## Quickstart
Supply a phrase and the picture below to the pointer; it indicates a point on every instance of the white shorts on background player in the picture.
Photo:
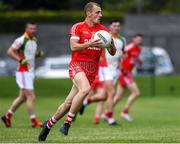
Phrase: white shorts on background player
(111, 72)
(25, 80)
(108, 73)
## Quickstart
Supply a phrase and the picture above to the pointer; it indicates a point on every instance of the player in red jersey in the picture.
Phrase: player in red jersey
(82, 68)
(129, 60)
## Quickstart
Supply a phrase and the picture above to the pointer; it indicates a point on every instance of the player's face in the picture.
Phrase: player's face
(115, 28)
(138, 40)
(31, 29)
(95, 14)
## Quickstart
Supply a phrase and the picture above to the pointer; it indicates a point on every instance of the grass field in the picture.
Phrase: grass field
(156, 118)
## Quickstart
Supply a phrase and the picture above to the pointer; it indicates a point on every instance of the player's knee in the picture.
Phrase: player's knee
(32, 99)
(111, 92)
(85, 90)
(137, 93)
(68, 102)
(22, 98)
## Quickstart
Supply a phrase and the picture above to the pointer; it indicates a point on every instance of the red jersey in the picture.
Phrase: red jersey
(86, 60)
(133, 52)
(83, 32)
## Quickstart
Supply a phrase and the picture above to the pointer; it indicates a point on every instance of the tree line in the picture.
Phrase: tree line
(126, 6)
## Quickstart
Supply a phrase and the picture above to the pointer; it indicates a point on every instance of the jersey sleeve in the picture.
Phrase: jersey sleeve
(17, 43)
(128, 47)
(75, 32)
(123, 39)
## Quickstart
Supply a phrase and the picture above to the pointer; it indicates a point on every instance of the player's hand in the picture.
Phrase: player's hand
(39, 54)
(112, 42)
(95, 43)
(23, 62)
(112, 49)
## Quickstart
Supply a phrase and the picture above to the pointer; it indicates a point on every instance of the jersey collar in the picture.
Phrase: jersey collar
(27, 36)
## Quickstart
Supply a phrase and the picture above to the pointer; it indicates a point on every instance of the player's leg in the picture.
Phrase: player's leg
(30, 101)
(28, 90)
(119, 94)
(82, 83)
(99, 96)
(14, 106)
(64, 107)
(109, 86)
(133, 96)
(98, 112)
(87, 100)
(61, 111)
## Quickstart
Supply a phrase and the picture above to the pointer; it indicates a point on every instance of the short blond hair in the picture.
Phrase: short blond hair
(89, 6)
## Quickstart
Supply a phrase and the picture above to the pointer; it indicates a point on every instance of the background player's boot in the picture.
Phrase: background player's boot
(104, 117)
(81, 111)
(44, 132)
(96, 120)
(111, 121)
(37, 124)
(65, 128)
(126, 117)
(7, 122)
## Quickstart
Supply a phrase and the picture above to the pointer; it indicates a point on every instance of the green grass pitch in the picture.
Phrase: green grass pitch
(156, 118)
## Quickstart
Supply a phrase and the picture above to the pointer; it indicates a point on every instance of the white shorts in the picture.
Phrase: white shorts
(25, 80)
(108, 73)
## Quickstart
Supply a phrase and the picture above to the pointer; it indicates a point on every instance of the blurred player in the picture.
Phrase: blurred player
(128, 61)
(108, 74)
(82, 68)
(24, 50)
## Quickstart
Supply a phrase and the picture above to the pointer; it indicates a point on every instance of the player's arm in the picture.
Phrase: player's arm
(138, 61)
(112, 48)
(12, 53)
(76, 46)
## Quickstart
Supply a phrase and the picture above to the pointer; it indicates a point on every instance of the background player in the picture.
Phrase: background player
(24, 50)
(128, 61)
(108, 74)
(82, 68)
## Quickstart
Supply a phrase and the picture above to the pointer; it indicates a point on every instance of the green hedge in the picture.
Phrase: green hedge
(10, 20)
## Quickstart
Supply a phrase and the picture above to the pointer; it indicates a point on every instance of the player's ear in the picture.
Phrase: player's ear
(88, 13)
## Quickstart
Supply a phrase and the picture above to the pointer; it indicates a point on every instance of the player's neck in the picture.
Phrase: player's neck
(89, 23)
(114, 35)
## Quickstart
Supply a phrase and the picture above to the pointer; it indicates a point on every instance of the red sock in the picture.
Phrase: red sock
(109, 114)
(69, 118)
(33, 119)
(88, 100)
(51, 122)
(126, 110)
(96, 120)
(9, 114)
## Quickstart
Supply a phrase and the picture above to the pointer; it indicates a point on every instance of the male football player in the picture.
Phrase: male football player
(82, 68)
